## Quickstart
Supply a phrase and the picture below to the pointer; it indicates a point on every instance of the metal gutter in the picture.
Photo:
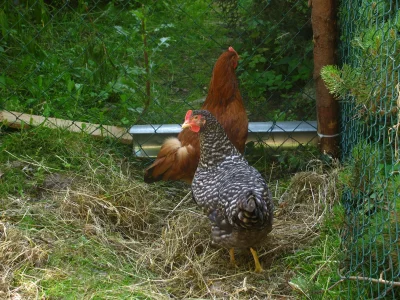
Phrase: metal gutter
(147, 139)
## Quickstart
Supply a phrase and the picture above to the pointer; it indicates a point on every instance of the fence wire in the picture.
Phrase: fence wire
(368, 86)
(104, 66)
(121, 63)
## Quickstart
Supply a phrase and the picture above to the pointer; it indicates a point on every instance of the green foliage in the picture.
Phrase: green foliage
(86, 60)
(367, 85)
(80, 230)
(371, 188)
(93, 265)
(3, 24)
(277, 60)
(359, 175)
(370, 179)
(345, 82)
(376, 51)
(316, 267)
(91, 67)
(67, 255)
(28, 156)
(276, 165)
(80, 266)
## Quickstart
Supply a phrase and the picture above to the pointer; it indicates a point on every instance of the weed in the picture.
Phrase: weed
(87, 226)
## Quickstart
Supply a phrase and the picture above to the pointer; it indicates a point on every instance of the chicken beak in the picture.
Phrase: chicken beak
(185, 125)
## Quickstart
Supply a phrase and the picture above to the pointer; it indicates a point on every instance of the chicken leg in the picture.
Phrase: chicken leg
(232, 256)
(258, 269)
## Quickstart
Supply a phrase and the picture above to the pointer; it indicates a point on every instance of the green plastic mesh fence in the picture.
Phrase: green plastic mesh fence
(123, 63)
(368, 86)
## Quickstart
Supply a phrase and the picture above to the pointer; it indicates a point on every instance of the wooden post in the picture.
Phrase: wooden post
(323, 18)
(15, 119)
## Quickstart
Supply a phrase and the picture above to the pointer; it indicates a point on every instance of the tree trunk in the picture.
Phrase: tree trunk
(323, 18)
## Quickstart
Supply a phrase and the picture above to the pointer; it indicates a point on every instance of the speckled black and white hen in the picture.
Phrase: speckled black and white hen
(231, 192)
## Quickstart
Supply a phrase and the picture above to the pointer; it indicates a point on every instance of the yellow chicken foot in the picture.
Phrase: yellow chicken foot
(258, 269)
(232, 255)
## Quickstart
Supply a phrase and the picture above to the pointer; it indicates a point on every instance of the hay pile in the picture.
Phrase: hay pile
(189, 267)
(163, 234)
(16, 249)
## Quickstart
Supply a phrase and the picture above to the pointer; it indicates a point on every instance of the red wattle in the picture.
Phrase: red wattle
(195, 128)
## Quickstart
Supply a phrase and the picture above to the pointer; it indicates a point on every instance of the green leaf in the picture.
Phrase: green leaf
(40, 81)
(47, 110)
(2, 81)
(138, 14)
(125, 121)
(3, 24)
(70, 85)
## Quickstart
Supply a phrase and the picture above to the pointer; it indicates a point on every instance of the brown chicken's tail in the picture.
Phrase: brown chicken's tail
(172, 163)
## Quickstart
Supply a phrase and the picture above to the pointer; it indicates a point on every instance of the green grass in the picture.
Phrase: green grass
(28, 156)
(78, 267)
(105, 234)
(317, 266)
(64, 256)
(278, 164)
(85, 61)
(87, 269)
(90, 66)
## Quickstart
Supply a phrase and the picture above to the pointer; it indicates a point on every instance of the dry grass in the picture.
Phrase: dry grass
(162, 234)
(189, 267)
(16, 250)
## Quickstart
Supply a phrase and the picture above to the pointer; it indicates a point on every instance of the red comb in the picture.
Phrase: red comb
(231, 49)
(188, 115)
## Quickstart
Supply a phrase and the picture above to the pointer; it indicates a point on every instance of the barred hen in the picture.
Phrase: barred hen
(231, 192)
(178, 157)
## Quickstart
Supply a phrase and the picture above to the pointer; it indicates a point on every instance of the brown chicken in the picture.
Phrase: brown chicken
(178, 157)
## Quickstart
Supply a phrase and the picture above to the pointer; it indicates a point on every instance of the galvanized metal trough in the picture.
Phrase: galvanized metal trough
(147, 139)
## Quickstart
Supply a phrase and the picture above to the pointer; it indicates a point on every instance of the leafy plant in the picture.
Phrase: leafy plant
(376, 48)
(371, 198)
(277, 60)
(85, 61)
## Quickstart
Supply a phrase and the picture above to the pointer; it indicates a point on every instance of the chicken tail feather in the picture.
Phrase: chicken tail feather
(170, 163)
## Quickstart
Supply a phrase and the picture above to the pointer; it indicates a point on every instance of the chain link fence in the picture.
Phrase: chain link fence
(105, 66)
(368, 86)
